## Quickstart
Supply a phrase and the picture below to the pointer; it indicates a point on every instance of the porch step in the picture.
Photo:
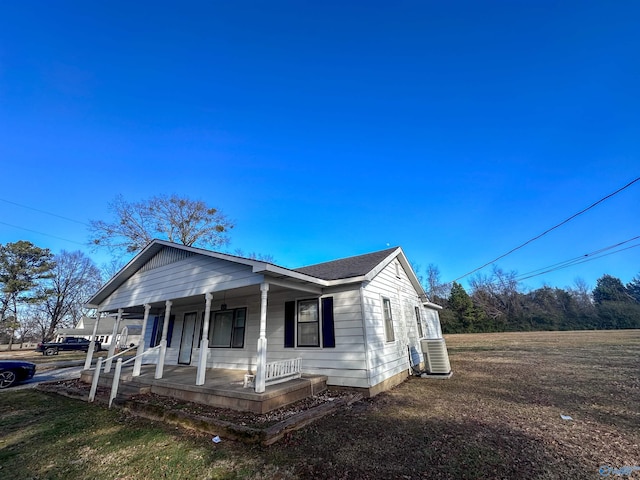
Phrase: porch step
(130, 389)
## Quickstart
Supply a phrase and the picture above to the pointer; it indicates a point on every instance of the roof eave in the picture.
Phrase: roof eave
(432, 305)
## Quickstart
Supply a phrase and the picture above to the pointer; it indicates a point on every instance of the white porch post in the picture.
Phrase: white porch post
(112, 346)
(87, 362)
(204, 344)
(262, 340)
(163, 342)
(138, 362)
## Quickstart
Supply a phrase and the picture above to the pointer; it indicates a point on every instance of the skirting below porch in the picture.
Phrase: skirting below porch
(223, 388)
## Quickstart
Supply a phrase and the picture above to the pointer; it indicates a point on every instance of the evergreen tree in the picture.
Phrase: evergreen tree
(610, 289)
(22, 267)
(462, 309)
(633, 288)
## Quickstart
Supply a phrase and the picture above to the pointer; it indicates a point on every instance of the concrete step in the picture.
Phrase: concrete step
(130, 389)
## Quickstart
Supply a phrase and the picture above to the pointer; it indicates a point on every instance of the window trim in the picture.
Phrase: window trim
(234, 327)
(316, 301)
(419, 322)
(389, 333)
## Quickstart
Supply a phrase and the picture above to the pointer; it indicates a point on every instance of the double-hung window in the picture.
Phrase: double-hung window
(226, 329)
(308, 323)
(419, 323)
(388, 320)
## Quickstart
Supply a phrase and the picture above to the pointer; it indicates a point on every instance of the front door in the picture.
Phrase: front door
(186, 341)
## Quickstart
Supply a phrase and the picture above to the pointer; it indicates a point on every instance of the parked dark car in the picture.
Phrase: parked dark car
(67, 344)
(14, 371)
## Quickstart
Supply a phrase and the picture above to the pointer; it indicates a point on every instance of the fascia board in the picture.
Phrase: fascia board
(431, 305)
(269, 268)
(115, 281)
(413, 278)
(382, 265)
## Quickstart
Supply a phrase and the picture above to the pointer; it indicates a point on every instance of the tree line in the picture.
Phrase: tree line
(495, 302)
(42, 292)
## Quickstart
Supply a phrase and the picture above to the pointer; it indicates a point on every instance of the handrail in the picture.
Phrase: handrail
(116, 375)
(108, 360)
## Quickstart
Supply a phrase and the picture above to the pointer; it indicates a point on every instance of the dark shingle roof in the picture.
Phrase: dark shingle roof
(346, 267)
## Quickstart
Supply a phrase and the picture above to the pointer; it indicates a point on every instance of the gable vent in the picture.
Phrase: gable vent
(164, 257)
(436, 356)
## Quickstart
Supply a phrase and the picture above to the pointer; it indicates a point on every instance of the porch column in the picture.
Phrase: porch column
(262, 340)
(163, 342)
(204, 344)
(112, 346)
(138, 362)
(87, 362)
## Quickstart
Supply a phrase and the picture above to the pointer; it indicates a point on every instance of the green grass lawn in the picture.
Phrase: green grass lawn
(497, 417)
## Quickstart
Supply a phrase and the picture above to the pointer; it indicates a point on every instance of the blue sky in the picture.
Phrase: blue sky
(457, 130)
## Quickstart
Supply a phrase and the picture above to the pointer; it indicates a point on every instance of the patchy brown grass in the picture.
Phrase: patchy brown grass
(497, 417)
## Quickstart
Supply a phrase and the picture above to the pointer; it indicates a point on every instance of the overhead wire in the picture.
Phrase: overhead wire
(41, 233)
(550, 229)
(580, 259)
(45, 212)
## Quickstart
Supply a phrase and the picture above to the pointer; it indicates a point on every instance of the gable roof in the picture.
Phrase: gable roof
(349, 267)
(345, 270)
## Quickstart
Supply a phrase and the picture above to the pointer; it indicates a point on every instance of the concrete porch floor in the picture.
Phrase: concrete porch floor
(222, 388)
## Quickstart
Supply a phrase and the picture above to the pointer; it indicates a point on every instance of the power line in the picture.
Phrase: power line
(42, 233)
(578, 260)
(582, 261)
(45, 212)
(551, 229)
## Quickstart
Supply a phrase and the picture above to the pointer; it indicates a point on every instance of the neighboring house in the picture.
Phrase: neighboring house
(357, 320)
(127, 333)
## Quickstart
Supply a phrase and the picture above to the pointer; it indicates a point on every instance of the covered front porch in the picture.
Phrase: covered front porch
(211, 325)
(223, 388)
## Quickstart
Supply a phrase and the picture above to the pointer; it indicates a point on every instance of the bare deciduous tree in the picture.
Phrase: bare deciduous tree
(75, 278)
(171, 217)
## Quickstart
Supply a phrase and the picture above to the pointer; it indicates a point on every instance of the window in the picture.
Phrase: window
(156, 330)
(302, 322)
(226, 329)
(419, 322)
(308, 323)
(388, 320)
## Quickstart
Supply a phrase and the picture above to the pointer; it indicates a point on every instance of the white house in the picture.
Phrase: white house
(356, 320)
(126, 333)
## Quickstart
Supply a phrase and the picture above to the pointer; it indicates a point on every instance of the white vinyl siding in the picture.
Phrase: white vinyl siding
(387, 359)
(192, 276)
(362, 356)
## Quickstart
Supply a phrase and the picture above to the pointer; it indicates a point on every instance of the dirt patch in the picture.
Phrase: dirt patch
(244, 426)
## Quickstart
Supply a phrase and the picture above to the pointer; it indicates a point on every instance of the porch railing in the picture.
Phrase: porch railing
(116, 373)
(282, 371)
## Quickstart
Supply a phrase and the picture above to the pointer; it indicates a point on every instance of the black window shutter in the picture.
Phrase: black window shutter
(328, 333)
(154, 331)
(289, 324)
(172, 321)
